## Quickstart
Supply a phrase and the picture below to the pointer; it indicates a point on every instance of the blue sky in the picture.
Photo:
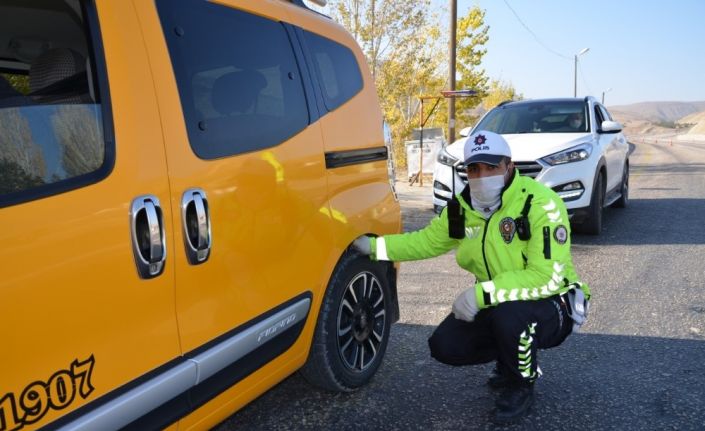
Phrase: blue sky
(644, 50)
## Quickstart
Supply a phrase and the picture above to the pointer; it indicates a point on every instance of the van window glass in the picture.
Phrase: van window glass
(337, 69)
(51, 117)
(237, 76)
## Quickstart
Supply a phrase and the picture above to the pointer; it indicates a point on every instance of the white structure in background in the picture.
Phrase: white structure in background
(433, 141)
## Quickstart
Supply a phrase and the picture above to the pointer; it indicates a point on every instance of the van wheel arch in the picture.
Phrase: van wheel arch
(352, 328)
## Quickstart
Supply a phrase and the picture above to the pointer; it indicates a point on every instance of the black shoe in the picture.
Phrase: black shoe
(498, 379)
(514, 403)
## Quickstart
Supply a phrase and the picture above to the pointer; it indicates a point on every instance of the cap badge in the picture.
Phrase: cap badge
(480, 140)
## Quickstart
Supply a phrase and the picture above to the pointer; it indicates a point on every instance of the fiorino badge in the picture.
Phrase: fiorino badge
(507, 227)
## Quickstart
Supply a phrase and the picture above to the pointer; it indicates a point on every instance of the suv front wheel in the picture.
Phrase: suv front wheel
(593, 223)
(353, 326)
(623, 200)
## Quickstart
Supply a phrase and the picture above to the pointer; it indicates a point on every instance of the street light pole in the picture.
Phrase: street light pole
(575, 71)
(603, 94)
(451, 68)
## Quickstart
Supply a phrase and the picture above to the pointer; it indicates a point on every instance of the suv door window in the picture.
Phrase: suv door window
(237, 75)
(606, 115)
(598, 118)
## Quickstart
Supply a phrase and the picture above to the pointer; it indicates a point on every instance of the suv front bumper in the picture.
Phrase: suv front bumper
(577, 200)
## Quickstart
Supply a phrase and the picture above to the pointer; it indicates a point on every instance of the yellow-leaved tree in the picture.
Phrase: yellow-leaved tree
(400, 39)
(471, 38)
(498, 92)
(407, 52)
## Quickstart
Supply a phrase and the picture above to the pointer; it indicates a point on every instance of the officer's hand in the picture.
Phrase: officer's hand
(465, 305)
(362, 245)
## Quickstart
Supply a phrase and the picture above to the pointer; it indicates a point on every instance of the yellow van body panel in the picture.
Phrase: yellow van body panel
(280, 222)
(70, 290)
(265, 216)
(276, 230)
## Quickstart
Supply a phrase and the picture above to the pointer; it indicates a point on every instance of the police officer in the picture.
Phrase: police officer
(513, 234)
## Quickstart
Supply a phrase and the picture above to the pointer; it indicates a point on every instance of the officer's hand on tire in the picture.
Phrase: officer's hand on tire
(465, 305)
(362, 245)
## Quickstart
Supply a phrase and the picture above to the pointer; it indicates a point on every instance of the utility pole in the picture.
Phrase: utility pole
(451, 68)
(575, 70)
(603, 94)
(575, 77)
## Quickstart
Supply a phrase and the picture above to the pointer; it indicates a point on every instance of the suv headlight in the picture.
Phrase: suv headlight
(575, 154)
(445, 158)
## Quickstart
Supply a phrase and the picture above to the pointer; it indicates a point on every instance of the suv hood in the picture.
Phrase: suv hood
(531, 146)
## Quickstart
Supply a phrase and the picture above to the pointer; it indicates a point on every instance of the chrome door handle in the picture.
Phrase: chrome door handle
(148, 239)
(201, 216)
(195, 218)
(155, 232)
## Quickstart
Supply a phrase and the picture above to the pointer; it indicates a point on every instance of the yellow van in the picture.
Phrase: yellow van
(180, 185)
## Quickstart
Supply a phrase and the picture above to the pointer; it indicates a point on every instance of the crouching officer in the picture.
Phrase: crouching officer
(513, 234)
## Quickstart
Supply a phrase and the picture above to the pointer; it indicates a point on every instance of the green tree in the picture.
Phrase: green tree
(472, 36)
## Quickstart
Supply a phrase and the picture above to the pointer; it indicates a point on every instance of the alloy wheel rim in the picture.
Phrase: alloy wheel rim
(361, 322)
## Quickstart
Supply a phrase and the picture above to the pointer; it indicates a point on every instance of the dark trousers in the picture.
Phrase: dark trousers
(510, 333)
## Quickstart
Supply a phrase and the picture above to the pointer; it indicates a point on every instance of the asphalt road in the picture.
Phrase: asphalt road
(638, 364)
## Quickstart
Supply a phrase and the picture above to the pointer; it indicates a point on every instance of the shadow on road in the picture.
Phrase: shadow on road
(668, 168)
(591, 382)
(651, 221)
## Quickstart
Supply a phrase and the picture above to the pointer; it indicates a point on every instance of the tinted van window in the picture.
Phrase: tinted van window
(238, 79)
(51, 116)
(337, 70)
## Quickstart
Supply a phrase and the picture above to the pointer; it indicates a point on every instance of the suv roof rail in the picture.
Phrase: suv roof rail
(505, 102)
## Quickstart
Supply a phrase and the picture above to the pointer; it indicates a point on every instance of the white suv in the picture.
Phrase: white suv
(571, 145)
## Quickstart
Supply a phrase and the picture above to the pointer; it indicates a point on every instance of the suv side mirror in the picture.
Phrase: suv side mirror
(465, 132)
(610, 127)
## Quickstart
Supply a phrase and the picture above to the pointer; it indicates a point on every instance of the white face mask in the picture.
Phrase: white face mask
(487, 191)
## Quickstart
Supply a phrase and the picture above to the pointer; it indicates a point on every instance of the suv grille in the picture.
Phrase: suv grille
(528, 169)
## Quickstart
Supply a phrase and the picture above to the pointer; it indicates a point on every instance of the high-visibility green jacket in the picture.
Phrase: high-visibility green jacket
(506, 267)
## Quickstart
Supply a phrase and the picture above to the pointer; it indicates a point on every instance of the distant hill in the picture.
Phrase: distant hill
(657, 111)
(697, 120)
(692, 118)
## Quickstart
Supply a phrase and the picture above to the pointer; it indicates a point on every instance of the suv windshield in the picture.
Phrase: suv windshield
(537, 117)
